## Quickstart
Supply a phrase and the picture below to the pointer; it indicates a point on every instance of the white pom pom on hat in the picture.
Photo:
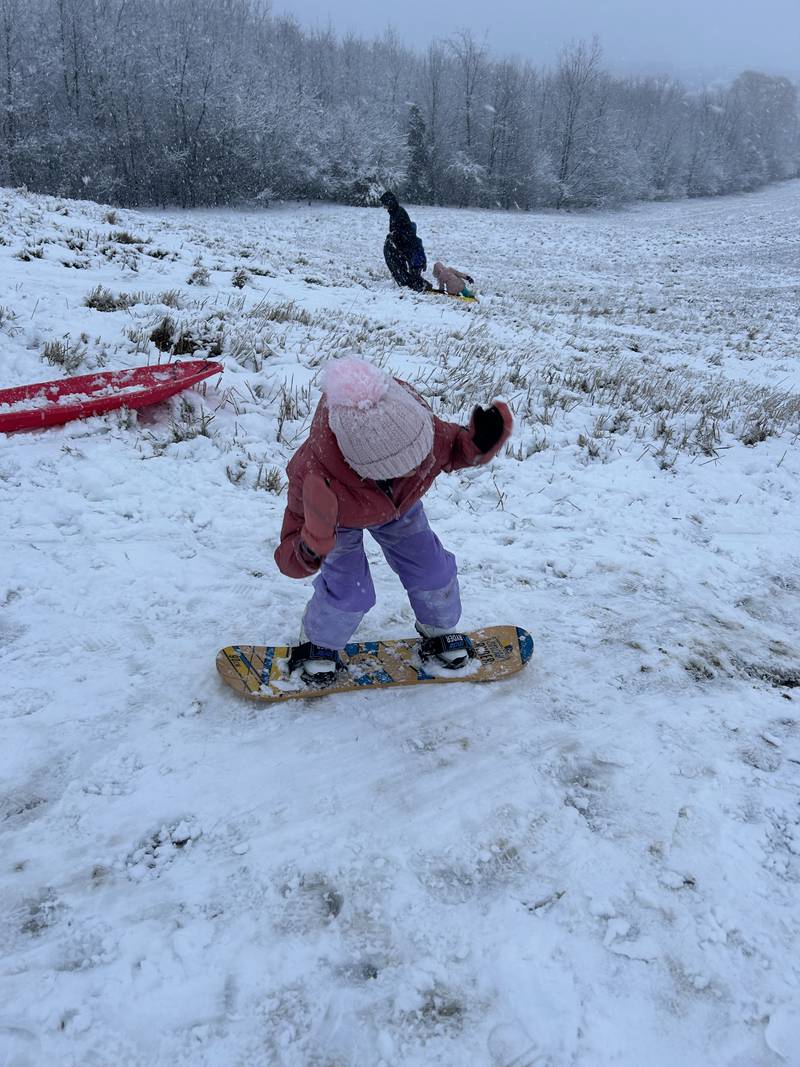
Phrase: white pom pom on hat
(382, 429)
(352, 383)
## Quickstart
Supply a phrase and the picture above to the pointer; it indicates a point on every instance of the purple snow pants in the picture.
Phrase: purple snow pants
(343, 589)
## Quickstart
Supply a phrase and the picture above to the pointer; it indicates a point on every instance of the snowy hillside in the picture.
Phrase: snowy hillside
(594, 863)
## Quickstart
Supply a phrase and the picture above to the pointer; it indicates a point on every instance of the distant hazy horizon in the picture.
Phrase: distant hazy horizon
(697, 40)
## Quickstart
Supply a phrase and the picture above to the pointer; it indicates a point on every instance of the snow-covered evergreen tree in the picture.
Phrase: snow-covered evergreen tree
(220, 101)
(418, 180)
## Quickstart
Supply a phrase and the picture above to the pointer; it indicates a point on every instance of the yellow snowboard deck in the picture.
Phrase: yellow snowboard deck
(259, 672)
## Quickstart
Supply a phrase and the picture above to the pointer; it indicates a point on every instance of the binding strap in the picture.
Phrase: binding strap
(308, 650)
(436, 647)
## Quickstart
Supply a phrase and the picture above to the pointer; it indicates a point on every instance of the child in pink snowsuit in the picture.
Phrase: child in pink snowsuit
(451, 280)
(374, 449)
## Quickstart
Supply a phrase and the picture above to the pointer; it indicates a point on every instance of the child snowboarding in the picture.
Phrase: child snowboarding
(403, 250)
(453, 281)
(374, 449)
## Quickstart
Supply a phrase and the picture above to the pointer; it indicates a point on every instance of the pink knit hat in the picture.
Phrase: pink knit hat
(382, 429)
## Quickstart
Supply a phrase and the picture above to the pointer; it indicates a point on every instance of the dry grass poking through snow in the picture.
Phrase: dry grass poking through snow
(595, 862)
(601, 361)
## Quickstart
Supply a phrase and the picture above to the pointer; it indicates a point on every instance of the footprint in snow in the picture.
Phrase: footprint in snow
(510, 1045)
(21, 702)
(161, 848)
(310, 901)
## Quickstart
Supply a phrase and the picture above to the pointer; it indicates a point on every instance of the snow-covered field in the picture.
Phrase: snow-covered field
(597, 862)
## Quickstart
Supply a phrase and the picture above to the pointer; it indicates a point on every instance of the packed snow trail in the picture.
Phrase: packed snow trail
(596, 862)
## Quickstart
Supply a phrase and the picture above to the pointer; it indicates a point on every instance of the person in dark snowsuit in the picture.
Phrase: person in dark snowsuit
(402, 249)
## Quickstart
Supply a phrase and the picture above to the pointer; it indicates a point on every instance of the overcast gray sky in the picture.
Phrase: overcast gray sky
(690, 38)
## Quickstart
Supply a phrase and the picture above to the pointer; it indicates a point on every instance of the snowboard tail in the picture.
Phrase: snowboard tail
(259, 672)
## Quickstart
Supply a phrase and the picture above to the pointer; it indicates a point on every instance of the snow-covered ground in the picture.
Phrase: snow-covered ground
(596, 862)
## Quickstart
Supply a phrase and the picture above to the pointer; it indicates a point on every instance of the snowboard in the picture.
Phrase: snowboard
(259, 672)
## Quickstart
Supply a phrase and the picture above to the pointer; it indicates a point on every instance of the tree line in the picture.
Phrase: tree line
(206, 102)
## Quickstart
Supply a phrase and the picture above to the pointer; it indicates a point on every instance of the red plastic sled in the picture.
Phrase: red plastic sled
(31, 407)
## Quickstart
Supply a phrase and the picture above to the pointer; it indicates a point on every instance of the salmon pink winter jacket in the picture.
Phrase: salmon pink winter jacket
(362, 502)
(449, 278)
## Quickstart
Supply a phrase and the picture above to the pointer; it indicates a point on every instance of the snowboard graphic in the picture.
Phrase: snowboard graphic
(259, 672)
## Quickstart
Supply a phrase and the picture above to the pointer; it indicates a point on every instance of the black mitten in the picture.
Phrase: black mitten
(487, 427)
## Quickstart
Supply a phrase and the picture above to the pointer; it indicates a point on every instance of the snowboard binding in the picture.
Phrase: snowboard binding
(451, 651)
(318, 666)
